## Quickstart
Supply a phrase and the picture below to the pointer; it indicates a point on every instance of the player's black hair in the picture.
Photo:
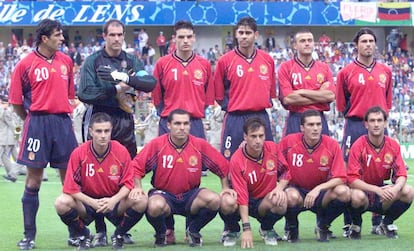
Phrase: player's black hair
(177, 111)
(364, 31)
(99, 117)
(301, 31)
(253, 124)
(247, 21)
(45, 28)
(115, 22)
(375, 109)
(308, 113)
(183, 24)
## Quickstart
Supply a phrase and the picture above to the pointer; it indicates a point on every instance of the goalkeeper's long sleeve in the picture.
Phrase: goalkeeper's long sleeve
(142, 83)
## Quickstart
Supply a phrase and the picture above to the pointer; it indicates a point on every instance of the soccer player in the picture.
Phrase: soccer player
(98, 182)
(245, 84)
(318, 176)
(106, 76)
(305, 84)
(40, 91)
(373, 159)
(184, 80)
(254, 174)
(176, 160)
(360, 85)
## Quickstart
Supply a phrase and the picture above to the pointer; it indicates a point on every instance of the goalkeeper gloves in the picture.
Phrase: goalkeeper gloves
(109, 73)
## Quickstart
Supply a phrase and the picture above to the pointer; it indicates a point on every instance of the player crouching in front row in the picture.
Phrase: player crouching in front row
(98, 181)
(373, 159)
(318, 177)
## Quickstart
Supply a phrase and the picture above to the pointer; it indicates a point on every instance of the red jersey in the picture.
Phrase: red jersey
(43, 85)
(245, 84)
(255, 178)
(308, 166)
(294, 75)
(375, 165)
(178, 169)
(360, 87)
(186, 85)
(96, 176)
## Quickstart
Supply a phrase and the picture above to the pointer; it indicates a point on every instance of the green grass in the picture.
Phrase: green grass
(52, 233)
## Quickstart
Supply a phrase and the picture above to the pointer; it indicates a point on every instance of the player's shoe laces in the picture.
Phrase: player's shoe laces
(160, 240)
(73, 241)
(322, 234)
(194, 239)
(228, 238)
(346, 229)
(269, 236)
(100, 240)
(292, 235)
(354, 232)
(84, 242)
(128, 239)
(117, 242)
(389, 230)
(26, 244)
(170, 237)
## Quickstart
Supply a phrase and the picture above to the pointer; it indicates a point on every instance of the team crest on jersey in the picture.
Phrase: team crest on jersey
(388, 158)
(31, 156)
(270, 165)
(324, 160)
(382, 78)
(198, 74)
(193, 161)
(64, 70)
(263, 69)
(320, 78)
(113, 170)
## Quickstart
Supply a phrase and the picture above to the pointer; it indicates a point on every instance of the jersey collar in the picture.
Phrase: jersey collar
(306, 67)
(101, 157)
(248, 156)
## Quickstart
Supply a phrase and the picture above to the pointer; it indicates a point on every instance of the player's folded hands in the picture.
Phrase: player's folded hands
(111, 74)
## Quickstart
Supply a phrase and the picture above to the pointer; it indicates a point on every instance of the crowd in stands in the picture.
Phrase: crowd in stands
(336, 53)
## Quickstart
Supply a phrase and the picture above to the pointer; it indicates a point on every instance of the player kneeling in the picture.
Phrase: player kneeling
(97, 183)
(373, 159)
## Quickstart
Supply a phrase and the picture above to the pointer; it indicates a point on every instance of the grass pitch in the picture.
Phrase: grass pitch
(52, 233)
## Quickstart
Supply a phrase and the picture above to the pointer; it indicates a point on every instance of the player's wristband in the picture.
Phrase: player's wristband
(246, 226)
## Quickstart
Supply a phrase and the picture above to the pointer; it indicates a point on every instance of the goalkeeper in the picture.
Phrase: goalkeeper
(106, 78)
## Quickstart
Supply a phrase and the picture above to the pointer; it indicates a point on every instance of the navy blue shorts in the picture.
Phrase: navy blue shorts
(293, 124)
(112, 216)
(318, 202)
(47, 138)
(196, 129)
(233, 133)
(179, 203)
(374, 203)
(254, 207)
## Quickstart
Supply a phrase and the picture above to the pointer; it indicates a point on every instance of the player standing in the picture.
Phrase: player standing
(374, 158)
(305, 84)
(360, 85)
(244, 84)
(318, 177)
(184, 80)
(254, 173)
(176, 160)
(40, 91)
(106, 75)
